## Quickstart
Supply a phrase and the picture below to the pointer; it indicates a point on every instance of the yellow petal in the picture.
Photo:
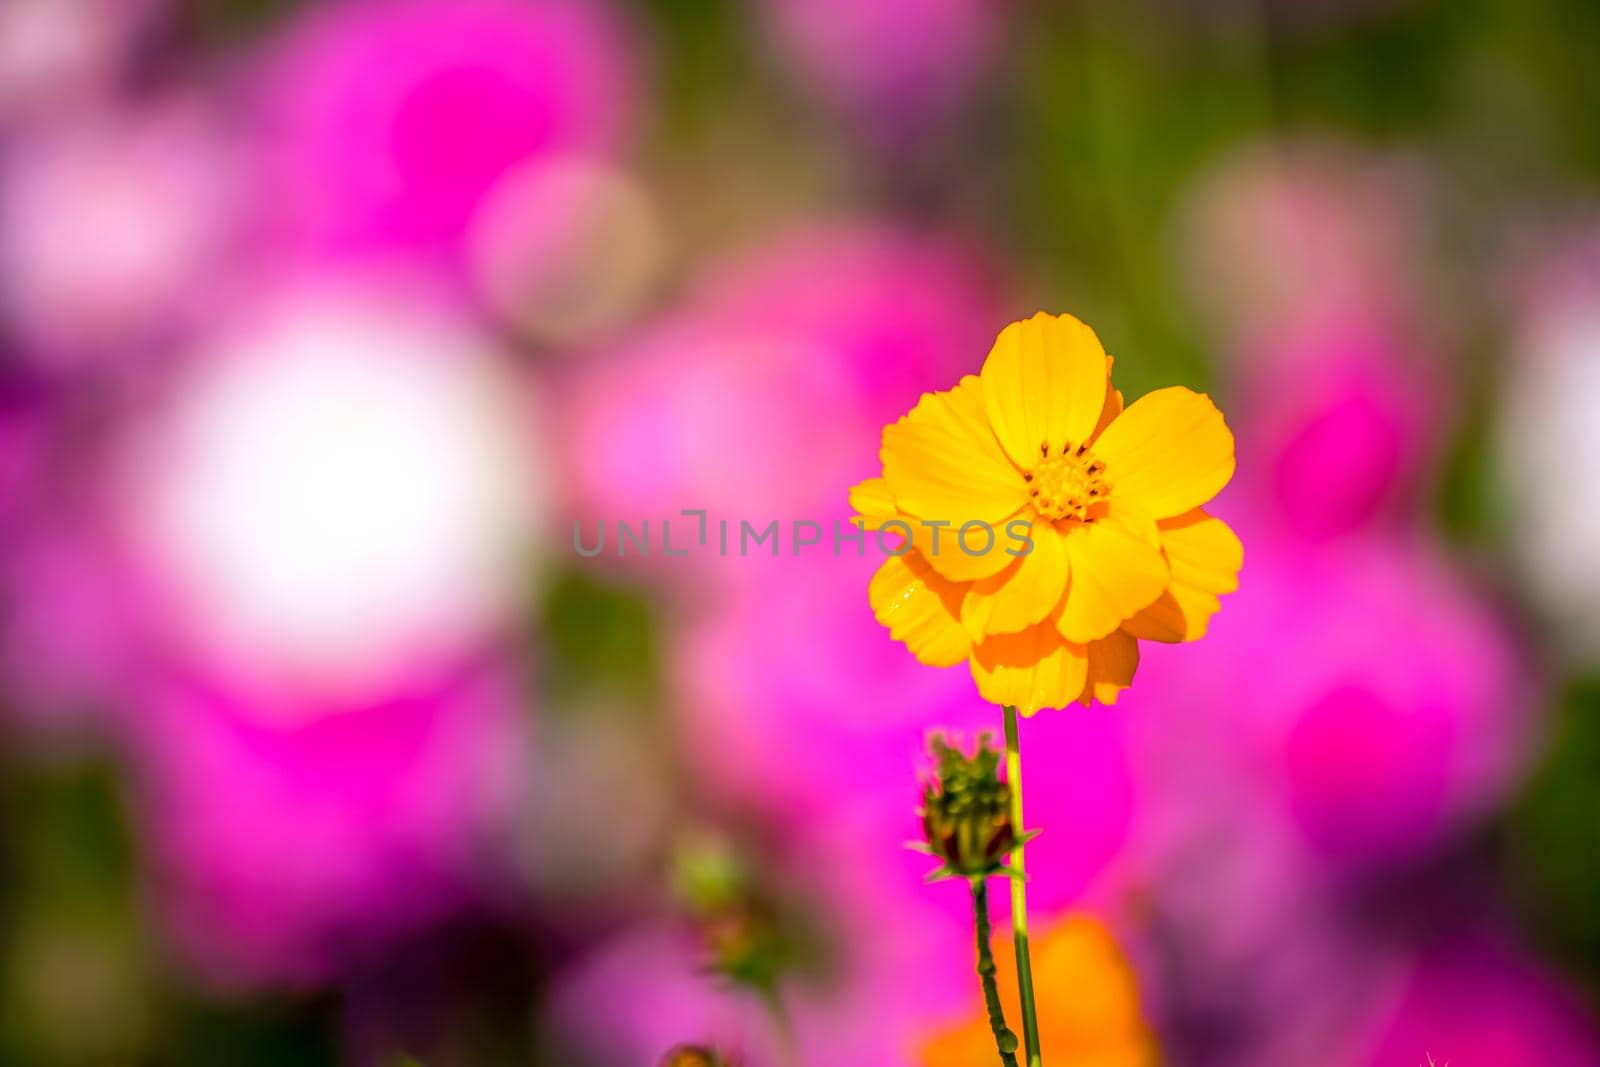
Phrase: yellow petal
(874, 505)
(1112, 663)
(981, 552)
(1022, 594)
(942, 460)
(1117, 568)
(1044, 383)
(1205, 556)
(1169, 452)
(920, 609)
(1113, 405)
(1181, 613)
(873, 501)
(1203, 551)
(1033, 669)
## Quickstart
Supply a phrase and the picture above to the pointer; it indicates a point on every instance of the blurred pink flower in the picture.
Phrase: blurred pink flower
(1476, 999)
(67, 54)
(658, 971)
(896, 64)
(26, 415)
(389, 123)
(70, 602)
(1398, 711)
(71, 649)
(896, 310)
(1353, 714)
(796, 705)
(722, 406)
(1338, 422)
(112, 230)
(785, 683)
(289, 853)
(695, 414)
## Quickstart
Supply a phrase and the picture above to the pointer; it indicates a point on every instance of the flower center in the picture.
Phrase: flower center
(1064, 485)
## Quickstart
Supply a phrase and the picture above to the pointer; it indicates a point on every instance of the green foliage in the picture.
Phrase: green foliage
(1554, 837)
(598, 635)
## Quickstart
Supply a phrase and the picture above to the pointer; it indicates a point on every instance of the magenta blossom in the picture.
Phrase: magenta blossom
(717, 407)
(696, 414)
(1341, 423)
(1479, 1000)
(789, 678)
(153, 194)
(287, 852)
(70, 626)
(1354, 710)
(57, 55)
(389, 123)
(896, 310)
(1361, 692)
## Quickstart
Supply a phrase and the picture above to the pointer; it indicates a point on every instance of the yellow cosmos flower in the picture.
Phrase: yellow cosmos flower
(1089, 1010)
(1044, 529)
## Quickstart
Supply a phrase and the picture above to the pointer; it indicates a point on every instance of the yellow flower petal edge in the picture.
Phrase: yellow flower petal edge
(1117, 568)
(1031, 670)
(1023, 594)
(1046, 527)
(1206, 557)
(1171, 451)
(1043, 384)
(942, 461)
(920, 608)
(1112, 663)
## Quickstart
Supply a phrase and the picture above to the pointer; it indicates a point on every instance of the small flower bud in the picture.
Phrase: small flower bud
(693, 1056)
(966, 811)
(743, 926)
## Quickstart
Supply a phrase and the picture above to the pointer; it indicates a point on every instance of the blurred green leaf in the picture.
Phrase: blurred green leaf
(1554, 835)
(598, 640)
(251, 1033)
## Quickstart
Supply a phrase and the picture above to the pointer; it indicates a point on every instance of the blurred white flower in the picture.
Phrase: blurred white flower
(1549, 467)
(340, 492)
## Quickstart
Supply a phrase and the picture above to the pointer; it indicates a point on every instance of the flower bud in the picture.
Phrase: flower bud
(966, 811)
(693, 1056)
(744, 927)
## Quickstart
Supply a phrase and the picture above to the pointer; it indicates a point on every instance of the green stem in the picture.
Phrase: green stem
(1019, 894)
(1004, 1040)
(789, 1048)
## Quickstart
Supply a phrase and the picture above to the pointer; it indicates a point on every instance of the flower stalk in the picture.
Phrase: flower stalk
(968, 820)
(1019, 894)
(1005, 1042)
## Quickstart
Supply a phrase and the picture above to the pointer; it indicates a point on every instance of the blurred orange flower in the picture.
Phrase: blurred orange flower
(1089, 1011)
(1048, 528)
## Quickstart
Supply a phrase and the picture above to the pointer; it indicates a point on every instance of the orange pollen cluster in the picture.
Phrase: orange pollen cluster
(1065, 485)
